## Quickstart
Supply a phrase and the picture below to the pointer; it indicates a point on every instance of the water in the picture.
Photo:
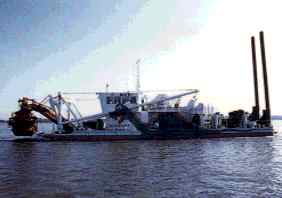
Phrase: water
(231, 167)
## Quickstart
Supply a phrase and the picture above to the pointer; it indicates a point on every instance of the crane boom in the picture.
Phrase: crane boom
(101, 115)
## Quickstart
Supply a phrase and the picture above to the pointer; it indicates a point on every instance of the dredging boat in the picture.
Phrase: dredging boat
(130, 116)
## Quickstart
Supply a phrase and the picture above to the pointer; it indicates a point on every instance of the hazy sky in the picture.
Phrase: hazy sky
(51, 46)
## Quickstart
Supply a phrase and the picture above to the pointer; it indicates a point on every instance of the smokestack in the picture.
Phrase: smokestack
(265, 80)
(254, 60)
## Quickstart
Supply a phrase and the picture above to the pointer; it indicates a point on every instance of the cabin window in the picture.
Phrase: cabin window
(116, 100)
(133, 100)
(124, 99)
(109, 100)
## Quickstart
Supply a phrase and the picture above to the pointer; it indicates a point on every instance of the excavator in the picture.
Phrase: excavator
(24, 122)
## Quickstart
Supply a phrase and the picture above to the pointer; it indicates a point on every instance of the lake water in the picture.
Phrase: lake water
(226, 167)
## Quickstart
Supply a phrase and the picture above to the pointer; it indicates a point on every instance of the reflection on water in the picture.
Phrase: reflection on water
(231, 167)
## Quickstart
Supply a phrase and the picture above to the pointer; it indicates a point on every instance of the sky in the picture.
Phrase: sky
(51, 46)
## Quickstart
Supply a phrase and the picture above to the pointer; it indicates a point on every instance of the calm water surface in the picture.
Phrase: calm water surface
(231, 167)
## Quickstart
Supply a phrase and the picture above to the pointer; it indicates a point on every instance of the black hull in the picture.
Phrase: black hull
(203, 134)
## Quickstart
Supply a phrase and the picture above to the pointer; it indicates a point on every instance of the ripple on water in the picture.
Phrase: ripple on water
(235, 167)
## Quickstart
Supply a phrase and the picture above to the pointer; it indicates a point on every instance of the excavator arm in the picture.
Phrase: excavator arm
(24, 123)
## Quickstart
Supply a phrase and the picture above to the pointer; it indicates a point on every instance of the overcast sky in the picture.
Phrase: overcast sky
(51, 46)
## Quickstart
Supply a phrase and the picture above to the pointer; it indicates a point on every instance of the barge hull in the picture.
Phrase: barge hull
(194, 135)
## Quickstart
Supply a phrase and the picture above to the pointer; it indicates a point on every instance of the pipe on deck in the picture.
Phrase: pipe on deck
(265, 80)
(254, 60)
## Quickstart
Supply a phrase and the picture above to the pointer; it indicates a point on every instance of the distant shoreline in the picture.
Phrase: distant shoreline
(276, 117)
(39, 120)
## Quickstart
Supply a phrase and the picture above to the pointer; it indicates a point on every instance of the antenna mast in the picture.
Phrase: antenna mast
(138, 76)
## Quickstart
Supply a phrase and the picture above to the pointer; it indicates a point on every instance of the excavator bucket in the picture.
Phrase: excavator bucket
(23, 123)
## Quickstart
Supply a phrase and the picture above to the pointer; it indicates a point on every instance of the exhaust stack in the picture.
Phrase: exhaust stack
(254, 60)
(267, 112)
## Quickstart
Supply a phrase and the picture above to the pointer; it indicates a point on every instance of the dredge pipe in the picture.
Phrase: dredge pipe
(265, 80)
(254, 60)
